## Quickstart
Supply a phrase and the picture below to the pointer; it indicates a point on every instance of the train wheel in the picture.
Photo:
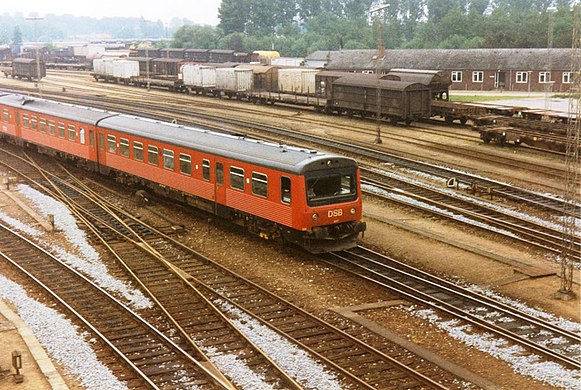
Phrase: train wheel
(463, 120)
(408, 122)
(449, 119)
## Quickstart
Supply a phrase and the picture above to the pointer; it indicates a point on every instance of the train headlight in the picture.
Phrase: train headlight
(353, 211)
(315, 217)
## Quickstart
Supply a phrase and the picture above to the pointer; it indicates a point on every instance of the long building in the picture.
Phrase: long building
(535, 70)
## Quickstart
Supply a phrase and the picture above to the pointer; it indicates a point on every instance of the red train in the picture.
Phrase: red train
(305, 197)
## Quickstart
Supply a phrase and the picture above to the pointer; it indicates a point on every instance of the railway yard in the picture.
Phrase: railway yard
(452, 285)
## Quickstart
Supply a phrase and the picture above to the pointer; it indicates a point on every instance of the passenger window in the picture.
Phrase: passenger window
(6, 117)
(82, 135)
(138, 151)
(237, 178)
(34, 123)
(51, 127)
(101, 141)
(25, 121)
(61, 127)
(72, 134)
(124, 147)
(185, 164)
(152, 155)
(219, 173)
(260, 184)
(111, 144)
(91, 138)
(168, 162)
(206, 169)
(285, 190)
(43, 125)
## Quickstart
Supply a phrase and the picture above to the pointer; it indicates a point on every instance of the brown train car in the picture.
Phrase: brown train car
(265, 77)
(398, 100)
(27, 68)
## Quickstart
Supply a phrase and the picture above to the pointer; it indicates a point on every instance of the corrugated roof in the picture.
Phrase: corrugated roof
(451, 59)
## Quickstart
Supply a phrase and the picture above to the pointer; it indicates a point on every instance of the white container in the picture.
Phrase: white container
(288, 61)
(99, 66)
(234, 79)
(199, 76)
(107, 67)
(299, 81)
(125, 69)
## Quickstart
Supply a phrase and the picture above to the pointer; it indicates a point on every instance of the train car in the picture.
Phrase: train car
(300, 196)
(265, 77)
(234, 82)
(28, 68)
(197, 55)
(61, 129)
(176, 53)
(166, 67)
(221, 56)
(299, 81)
(398, 100)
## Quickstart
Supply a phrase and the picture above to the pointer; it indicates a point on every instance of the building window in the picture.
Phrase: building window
(124, 147)
(478, 76)
(567, 77)
(168, 159)
(111, 144)
(259, 184)
(456, 76)
(138, 151)
(522, 77)
(544, 77)
(206, 169)
(152, 155)
(72, 134)
(237, 178)
(185, 164)
(61, 127)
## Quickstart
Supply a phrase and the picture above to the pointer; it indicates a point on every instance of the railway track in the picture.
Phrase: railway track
(457, 151)
(145, 357)
(357, 364)
(452, 206)
(535, 335)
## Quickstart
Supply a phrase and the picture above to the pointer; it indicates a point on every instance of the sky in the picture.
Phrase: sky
(198, 11)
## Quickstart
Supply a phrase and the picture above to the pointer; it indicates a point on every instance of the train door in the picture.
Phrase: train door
(101, 150)
(219, 187)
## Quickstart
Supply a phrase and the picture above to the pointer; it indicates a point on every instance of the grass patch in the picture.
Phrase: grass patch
(483, 98)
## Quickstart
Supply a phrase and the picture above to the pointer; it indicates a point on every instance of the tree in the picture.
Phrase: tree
(17, 36)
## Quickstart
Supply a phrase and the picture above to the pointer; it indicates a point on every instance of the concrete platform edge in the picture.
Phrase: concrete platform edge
(44, 363)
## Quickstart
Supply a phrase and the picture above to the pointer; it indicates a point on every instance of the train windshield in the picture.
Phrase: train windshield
(331, 187)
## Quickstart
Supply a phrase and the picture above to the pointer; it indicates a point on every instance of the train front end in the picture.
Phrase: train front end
(332, 213)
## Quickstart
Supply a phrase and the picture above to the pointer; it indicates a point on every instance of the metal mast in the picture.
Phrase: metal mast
(571, 188)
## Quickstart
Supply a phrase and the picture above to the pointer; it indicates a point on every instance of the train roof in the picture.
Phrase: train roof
(372, 82)
(258, 152)
(428, 78)
(263, 153)
(58, 109)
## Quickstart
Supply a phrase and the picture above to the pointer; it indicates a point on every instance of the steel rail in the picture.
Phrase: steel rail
(105, 294)
(422, 297)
